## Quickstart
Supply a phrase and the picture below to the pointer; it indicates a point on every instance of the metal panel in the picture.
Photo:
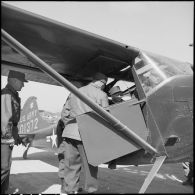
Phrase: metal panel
(102, 142)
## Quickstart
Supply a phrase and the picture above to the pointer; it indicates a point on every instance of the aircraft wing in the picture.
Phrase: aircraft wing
(71, 52)
(74, 53)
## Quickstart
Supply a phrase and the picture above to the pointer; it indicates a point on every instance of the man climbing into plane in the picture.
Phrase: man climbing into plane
(74, 154)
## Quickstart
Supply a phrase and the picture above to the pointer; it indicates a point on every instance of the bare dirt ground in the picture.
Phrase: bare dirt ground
(38, 174)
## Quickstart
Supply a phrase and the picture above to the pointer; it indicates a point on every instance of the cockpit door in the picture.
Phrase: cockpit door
(102, 142)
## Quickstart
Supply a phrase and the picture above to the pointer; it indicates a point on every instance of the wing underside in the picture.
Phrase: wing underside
(74, 53)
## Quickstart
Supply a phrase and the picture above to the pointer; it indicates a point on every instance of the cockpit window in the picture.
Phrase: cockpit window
(153, 69)
(120, 88)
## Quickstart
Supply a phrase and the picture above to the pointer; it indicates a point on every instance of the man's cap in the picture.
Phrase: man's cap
(18, 75)
(99, 76)
(115, 89)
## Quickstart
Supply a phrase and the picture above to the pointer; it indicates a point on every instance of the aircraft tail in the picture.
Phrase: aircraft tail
(30, 119)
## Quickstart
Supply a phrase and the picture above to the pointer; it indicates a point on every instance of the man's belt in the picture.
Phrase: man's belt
(7, 141)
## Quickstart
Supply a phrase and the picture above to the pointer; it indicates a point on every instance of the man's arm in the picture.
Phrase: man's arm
(104, 101)
(65, 113)
(6, 112)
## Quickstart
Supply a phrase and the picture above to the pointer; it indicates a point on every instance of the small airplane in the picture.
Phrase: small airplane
(154, 127)
(34, 130)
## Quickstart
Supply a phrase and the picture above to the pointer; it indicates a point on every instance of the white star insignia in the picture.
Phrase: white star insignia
(53, 139)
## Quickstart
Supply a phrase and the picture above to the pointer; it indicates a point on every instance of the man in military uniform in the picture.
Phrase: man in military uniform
(65, 117)
(75, 156)
(61, 145)
(10, 116)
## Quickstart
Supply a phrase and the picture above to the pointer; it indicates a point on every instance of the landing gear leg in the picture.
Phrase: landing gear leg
(157, 164)
(26, 151)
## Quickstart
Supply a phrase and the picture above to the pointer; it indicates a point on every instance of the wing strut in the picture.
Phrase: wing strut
(157, 164)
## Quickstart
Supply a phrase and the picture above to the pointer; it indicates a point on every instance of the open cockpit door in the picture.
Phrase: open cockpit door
(102, 142)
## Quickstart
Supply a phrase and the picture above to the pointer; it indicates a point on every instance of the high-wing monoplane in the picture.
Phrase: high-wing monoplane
(154, 126)
(35, 129)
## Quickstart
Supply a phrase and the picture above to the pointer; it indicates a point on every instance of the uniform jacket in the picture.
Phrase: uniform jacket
(77, 107)
(10, 112)
(65, 113)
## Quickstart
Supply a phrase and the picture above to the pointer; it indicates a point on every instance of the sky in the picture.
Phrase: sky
(161, 27)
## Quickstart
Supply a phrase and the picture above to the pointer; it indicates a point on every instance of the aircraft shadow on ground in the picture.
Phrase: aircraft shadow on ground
(44, 156)
(110, 181)
(28, 183)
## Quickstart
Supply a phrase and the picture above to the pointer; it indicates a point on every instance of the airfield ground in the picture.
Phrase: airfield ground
(38, 175)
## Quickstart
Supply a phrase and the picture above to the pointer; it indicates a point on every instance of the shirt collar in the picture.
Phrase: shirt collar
(95, 85)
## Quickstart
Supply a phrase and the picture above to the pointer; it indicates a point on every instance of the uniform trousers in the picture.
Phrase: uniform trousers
(6, 153)
(75, 158)
(61, 151)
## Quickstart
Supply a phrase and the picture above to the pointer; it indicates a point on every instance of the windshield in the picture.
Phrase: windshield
(153, 69)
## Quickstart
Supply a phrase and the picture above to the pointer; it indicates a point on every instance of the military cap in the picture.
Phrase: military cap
(18, 75)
